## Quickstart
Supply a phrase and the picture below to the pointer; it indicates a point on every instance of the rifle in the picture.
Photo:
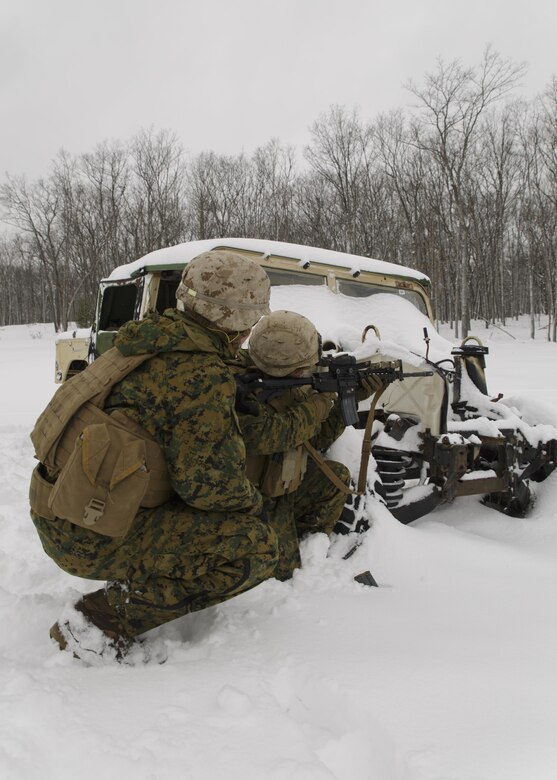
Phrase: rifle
(343, 375)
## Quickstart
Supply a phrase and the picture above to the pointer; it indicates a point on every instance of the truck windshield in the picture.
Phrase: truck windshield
(279, 276)
(364, 290)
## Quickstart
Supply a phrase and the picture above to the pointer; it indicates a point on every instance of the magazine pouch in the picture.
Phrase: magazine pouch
(283, 472)
(103, 482)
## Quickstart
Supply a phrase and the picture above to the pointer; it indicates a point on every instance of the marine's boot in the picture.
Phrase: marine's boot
(92, 630)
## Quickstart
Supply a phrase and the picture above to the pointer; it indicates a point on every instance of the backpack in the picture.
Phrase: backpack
(96, 469)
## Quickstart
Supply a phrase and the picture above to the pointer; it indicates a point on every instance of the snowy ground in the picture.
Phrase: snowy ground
(447, 671)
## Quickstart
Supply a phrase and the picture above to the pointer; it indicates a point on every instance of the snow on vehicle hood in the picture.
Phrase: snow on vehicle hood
(342, 319)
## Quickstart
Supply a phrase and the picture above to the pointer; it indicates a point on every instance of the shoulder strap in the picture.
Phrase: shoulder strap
(93, 384)
(366, 444)
(325, 468)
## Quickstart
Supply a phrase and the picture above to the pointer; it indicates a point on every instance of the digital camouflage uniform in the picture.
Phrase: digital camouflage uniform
(209, 542)
(272, 428)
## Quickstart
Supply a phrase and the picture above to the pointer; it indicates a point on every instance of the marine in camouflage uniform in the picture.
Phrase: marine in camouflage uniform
(211, 541)
(282, 344)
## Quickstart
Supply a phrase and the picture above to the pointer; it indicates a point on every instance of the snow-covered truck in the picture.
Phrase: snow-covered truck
(435, 437)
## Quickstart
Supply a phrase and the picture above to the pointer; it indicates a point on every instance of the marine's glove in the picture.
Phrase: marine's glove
(323, 403)
(369, 385)
(245, 403)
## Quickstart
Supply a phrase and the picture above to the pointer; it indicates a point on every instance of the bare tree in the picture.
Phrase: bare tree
(36, 211)
(452, 100)
(459, 188)
(272, 192)
(337, 154)
(155, 196)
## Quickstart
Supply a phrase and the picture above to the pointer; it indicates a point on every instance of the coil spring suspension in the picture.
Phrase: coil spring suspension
(393, 469)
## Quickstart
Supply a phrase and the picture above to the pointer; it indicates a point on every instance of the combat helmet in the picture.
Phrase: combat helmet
(225, 288)
(283, 342)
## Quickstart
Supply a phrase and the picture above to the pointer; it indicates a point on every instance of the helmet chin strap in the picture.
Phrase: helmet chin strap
(231, 336)
(234, 338)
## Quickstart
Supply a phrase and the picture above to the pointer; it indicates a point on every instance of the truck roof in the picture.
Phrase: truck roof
(181, 254)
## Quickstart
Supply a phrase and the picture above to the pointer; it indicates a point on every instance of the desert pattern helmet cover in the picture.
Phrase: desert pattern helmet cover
(283, 342)
(227, 289)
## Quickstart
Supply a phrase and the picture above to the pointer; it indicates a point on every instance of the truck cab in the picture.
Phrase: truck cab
(149, 284)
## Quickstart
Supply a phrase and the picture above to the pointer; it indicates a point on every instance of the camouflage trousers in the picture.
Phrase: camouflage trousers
(175, 560)
(314, 507)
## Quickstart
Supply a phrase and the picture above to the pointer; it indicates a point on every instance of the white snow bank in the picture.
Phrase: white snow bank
(446, 670)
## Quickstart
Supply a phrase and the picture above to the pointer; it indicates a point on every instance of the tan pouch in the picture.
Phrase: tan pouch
(103, 482)
(159, 490)
(284, 472)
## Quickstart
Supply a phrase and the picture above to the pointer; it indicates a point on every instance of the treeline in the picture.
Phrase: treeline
(462, 186)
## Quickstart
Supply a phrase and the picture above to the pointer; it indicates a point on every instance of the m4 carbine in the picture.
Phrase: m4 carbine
(342, 375)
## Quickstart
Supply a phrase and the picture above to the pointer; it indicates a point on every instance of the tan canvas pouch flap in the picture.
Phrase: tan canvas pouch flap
(294, 464)
(129, 460)
(284, 472)
(95, 443)
(87, 415)
(103, 481)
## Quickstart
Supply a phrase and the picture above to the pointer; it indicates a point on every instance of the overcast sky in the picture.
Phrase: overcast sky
(228, 75)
